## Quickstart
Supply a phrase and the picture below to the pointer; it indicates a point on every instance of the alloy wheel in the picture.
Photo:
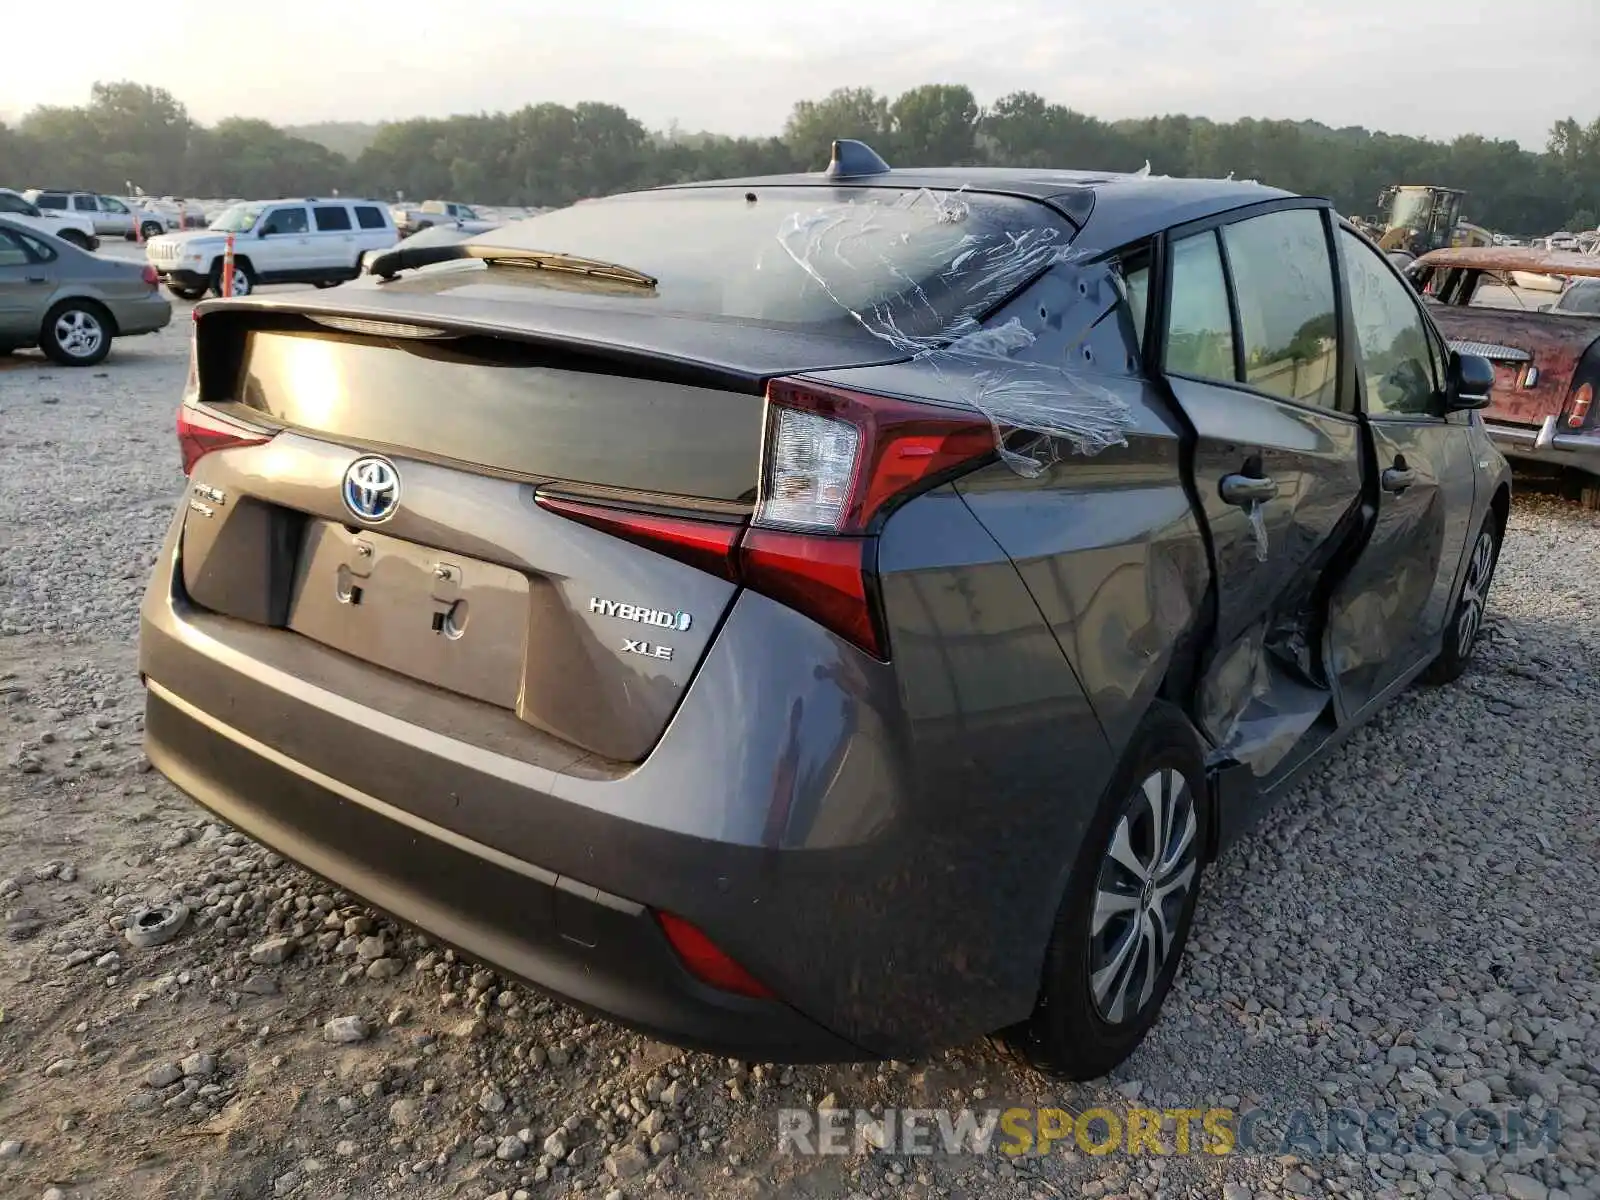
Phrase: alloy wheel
(241, 282)
(1474, 591)
(79, 333)
(1150, 868)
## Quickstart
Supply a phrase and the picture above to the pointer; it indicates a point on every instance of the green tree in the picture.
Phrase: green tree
(934, 126)
(813, 125)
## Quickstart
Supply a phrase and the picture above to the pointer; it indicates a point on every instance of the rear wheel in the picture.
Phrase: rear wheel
(1130, 900)
(186, 293)
(151, 229)
(1461, 635)
(76, 333)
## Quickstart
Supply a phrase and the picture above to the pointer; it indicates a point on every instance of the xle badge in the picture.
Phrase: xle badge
(647, 649)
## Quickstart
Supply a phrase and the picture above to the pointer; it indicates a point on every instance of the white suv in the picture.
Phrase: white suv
(111, 217)
(275, 241)
(64, 225)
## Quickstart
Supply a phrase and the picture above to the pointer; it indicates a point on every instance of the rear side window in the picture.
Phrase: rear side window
(41, 251)
(56, 202)
(85, 203)
(905, 264)
(1199, 322)
(12, 253)
(331, 218)
(368, 217)
(1283, 281)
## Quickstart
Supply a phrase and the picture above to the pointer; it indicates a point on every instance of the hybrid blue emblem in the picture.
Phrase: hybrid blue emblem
(372, 489)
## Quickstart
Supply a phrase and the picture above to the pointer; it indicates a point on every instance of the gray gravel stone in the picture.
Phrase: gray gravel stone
(347, 1029)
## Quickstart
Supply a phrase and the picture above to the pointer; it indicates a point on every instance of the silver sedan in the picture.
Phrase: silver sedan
(68, 302)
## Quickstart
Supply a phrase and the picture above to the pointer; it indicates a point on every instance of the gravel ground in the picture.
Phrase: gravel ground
(1414, 929)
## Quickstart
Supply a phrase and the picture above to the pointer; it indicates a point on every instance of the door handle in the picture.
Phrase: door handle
(1398, 477)
(37, 278)
(1245, 490)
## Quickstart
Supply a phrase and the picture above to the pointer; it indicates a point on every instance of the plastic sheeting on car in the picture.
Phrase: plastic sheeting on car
(1034, 406)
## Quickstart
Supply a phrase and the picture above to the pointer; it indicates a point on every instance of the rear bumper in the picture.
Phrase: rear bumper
(588, 947)
(1564, 449)
(146, 315)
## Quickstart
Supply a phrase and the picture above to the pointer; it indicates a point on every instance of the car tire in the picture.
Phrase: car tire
(1466, 619)
(77, 333)
(186, 293)
(244, 280)
(75, 238)
(1102, 988)
(323, 284)
(1589, 496)
(151, 229)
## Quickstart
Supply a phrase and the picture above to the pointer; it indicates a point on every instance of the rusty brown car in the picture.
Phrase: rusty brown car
(1546, 352)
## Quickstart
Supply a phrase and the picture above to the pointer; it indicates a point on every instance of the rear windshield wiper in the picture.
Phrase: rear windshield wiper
(392, 262)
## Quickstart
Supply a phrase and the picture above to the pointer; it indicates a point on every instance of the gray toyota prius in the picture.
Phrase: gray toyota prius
(823, 617)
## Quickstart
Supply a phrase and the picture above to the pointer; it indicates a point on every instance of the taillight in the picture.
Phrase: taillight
(706, 961)
(1581, 400)
(834, 464)
(149, 276)
(836, 460)
(200, 431)
(704, 544)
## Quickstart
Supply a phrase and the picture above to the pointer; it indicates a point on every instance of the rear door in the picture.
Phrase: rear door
(1251, 353)
(24, 290)
(1387, 614)
(333, 239)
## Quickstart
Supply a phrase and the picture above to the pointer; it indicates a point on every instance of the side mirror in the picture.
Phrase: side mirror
(266, 231)
(1469, 381)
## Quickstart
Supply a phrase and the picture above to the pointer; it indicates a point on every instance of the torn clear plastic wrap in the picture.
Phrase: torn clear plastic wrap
(938, 245)
(1258, 527)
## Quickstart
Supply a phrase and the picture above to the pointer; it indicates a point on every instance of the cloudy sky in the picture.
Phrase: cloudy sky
(1436, 69)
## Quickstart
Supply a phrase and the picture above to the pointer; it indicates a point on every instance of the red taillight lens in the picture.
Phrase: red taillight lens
(201, 432)
(703, 544)
(823, 577)
(834, 464)
(1582, 399)
(149, 276)
(707, 962)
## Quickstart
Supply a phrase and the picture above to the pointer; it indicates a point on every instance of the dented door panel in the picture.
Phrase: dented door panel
(1264, 686)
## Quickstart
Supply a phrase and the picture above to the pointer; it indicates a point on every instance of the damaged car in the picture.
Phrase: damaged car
(1494, 302)
(824, 617)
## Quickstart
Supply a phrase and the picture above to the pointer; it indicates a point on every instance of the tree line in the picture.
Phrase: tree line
(552, 154)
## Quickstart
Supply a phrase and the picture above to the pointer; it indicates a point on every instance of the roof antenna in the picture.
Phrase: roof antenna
(852, 158)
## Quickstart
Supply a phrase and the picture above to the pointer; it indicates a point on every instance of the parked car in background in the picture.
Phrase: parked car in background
(439, 212)
(696, 650)
(111, 217)
(434, 235)
(1546, 358)
(66, 225)
(69, 302)
(1581, 298)
(278, 241)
